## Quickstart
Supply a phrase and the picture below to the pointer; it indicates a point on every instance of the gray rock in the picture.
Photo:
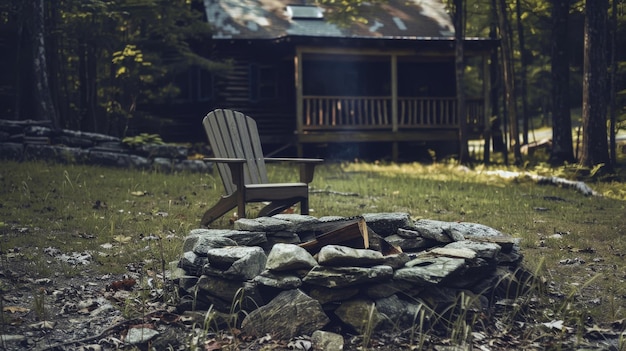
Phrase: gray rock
(429, 270)
(227, 294)
(284, 281)
(482, 249)
(474, 271)
(240, 237)
(111, 159)
(11, 151)
(432, 229)
(38, 131)
(42, 152)
(326, 341)
(162, 150)
(512, 257)
(408, 244)
(460, 252)
(188, 282)
(506, 242)
(201, 243)
(273, 239)
(337, 255)
(240, 263)
(139, 162)
(387, 223)
(192, 263)
(225, 289)
(299, 223)
(396, 261)
(138, 336)
(386, 289)
(262, 224)
(469, 230)
(339, 277)
(304, 316)
(163, 164)
(408, 233)
(197, 166)
(326, 295)
(360, 314)
(402, 313)
(285, 257)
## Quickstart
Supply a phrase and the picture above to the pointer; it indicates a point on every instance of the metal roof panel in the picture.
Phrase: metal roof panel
(268, 19)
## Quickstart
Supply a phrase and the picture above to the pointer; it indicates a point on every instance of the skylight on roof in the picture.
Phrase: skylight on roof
(304, 12)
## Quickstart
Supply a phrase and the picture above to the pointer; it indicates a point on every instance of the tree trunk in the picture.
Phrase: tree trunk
(525, 57)
(509, 80)
(497, 137)
(459, 26)
(45, 107)
(595, 148)
(562, 146)
(612, 88)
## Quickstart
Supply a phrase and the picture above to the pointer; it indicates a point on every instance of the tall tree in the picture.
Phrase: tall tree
(497, 137)
(509, 78)
(562, 145)
(595, 145)
(45, 107)
(525, 57)
(459, 36)
(613, 86)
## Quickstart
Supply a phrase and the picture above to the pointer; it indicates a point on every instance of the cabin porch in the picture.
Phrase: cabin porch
(343, 95)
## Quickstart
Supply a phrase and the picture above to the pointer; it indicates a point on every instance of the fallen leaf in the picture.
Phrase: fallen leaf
(122, 239)
(16, 309)
(43, 325)
(558, 325)
(213, 344)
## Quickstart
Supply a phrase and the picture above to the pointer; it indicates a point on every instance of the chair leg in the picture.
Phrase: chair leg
(225, 204)
(276, 207)
(304, 206)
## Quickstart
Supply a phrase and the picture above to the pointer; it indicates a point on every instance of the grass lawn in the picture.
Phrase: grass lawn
(576, 243)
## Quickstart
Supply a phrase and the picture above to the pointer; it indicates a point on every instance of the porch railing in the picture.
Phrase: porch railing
(375, 112)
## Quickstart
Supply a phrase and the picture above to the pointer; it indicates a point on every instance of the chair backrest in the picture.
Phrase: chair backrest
(232, 134)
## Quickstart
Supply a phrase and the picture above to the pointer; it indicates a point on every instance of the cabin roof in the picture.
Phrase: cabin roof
(273, 19)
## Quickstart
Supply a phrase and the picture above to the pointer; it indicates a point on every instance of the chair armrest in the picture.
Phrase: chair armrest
(307, 166)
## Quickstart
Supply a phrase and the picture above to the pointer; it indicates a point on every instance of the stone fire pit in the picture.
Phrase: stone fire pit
(262, 268)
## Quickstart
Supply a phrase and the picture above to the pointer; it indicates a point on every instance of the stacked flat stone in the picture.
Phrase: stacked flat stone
(36, 140)
(286, 291)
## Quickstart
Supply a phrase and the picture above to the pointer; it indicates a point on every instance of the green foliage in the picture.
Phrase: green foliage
(143, 138)
(108, 57)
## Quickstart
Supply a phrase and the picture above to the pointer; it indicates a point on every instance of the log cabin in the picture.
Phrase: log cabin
(388, 79)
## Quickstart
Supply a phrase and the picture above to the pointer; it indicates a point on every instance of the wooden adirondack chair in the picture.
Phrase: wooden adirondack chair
(235, 142)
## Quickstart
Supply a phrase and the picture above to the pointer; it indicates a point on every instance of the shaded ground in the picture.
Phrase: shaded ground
(102, 312)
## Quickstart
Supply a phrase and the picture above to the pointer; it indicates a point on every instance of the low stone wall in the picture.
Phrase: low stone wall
(287, 291)
(33, 140)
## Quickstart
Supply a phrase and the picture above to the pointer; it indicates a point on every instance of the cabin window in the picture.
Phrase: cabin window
(195, 85)
(263, 85)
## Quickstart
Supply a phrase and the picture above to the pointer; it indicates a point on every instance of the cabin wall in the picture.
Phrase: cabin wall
(261, 86)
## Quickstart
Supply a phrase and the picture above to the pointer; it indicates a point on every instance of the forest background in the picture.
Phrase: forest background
(93, 65)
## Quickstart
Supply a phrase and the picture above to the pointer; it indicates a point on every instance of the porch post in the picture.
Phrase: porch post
(486, 109)
(299, 107)
(394, 104)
